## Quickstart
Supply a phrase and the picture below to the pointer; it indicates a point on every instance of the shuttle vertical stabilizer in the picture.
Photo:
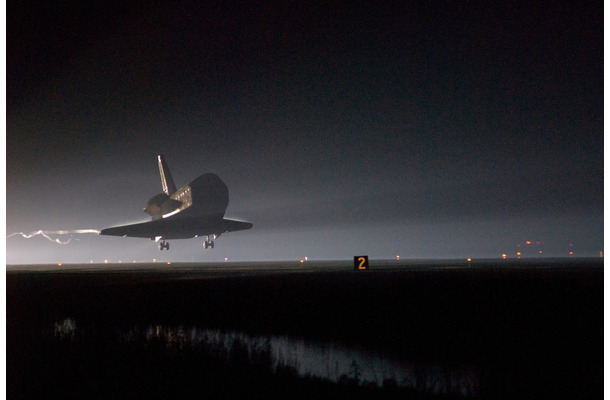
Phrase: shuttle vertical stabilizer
(166, 178)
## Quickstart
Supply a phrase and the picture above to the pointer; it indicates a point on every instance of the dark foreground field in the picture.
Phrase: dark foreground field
(526, 330)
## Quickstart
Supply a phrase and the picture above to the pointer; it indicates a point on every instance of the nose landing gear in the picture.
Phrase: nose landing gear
(163, 245)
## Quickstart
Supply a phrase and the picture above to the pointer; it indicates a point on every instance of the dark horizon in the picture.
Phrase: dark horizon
(423, 131)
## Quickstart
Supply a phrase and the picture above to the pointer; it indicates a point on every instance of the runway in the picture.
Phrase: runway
(205, 269)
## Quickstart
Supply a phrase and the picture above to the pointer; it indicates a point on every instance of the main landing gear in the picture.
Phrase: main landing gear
(209, 244)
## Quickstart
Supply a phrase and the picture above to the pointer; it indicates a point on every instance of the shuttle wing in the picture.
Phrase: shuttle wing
(233, 225)
(177, 228)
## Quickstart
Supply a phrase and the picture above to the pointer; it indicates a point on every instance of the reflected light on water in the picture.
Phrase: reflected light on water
(330, 361)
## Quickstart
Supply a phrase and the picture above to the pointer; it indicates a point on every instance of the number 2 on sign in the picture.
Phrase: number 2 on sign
(361, 263)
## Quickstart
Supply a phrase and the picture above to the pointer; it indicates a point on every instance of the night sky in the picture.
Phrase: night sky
(425, 130)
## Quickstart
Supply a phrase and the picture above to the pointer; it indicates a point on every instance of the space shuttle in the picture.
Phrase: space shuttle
(197, 209)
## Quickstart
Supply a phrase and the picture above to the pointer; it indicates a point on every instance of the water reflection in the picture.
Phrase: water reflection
(331, 361)
(65, 329)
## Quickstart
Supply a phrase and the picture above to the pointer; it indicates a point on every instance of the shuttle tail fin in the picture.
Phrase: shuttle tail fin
(169, 187)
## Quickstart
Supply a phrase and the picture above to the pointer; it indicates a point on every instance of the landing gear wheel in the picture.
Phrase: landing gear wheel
(163, 245)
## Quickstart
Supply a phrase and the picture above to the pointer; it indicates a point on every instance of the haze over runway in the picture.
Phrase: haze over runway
(424, 131)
